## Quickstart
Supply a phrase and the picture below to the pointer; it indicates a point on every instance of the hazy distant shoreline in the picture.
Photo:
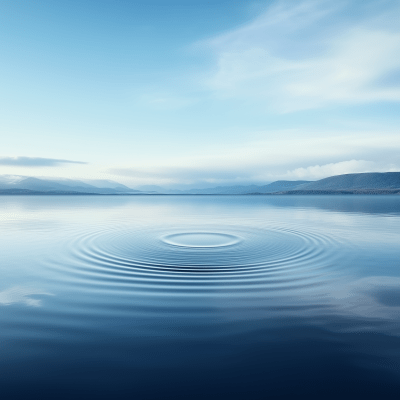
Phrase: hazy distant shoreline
(372, 183)
(287, 193)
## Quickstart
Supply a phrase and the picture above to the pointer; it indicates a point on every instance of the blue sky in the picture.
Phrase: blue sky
(199, 92)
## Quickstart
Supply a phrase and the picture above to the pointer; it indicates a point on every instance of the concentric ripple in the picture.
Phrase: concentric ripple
(201, 239)
(202, 259)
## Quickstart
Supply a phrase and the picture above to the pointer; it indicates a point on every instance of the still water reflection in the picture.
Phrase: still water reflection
(200, 297)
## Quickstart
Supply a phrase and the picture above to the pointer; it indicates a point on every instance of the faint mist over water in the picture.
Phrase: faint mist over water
(200, 297)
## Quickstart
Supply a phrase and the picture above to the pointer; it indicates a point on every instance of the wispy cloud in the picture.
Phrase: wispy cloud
(35, 162)
(307, 54)
(287, 155)
(184, 175)
(339, 168)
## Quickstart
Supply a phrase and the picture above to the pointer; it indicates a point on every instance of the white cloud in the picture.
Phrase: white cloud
(35, 162)
(294, 57)
(286, 155)
(322, 171)
(339, 168)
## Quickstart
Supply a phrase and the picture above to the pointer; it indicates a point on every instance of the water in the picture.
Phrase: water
(200, 297)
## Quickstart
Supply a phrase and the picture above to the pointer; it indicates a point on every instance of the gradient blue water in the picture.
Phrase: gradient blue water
(200, 297)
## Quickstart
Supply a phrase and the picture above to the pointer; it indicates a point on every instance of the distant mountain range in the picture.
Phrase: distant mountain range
(385, 183)
(364, 183)
(24, 185)
(270, 188)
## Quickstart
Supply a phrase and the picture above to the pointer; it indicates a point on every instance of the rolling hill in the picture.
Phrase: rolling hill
(59, 186)
(363, 181)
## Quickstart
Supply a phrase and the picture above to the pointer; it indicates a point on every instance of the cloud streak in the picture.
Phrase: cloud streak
(35, 162)
(305, 55)
(343, 167)
(287, 156)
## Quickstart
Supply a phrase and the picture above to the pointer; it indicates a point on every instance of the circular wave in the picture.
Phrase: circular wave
(203, 258)
(201, 239)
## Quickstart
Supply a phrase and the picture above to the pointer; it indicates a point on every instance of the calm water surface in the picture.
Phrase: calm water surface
(153, 297)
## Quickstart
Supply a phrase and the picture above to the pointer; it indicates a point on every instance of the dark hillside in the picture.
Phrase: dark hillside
(373, 180)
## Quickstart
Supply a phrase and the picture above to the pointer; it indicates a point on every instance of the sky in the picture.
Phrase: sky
(199, 93)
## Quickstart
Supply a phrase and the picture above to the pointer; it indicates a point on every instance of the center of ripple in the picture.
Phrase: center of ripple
(201, 239)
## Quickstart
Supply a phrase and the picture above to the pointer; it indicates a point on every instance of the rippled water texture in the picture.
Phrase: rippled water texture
(200, 297)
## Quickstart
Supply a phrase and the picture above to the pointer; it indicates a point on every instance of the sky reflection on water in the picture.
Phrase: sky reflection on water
(306, 302)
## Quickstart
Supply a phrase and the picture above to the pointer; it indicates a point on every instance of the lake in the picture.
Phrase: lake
(152, 297)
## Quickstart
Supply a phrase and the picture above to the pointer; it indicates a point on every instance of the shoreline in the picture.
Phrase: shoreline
(386, 192)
